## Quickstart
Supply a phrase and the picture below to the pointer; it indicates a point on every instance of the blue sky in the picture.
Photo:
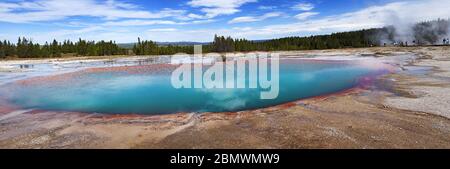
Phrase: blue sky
(198, 20)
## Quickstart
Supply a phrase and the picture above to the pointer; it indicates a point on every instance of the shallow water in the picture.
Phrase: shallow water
(20, 71)
(146, 92)
(417, 70)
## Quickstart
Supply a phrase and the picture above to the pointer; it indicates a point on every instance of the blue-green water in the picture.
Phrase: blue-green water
(152, 93)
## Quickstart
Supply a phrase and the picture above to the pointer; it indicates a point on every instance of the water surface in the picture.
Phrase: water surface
(147, 92)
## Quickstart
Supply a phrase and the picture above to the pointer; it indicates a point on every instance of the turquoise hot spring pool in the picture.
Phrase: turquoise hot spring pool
(148, 90)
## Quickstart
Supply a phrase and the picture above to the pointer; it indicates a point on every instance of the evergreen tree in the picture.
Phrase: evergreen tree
(2, 50)
(151, 48)
(45, 51)
(222, 44)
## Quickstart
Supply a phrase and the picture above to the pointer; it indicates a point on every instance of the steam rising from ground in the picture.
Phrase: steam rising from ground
(423, 33)
(422, 22)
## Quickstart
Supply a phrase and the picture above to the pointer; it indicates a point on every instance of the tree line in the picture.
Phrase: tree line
(148, 47)
(423, 33)
(356, 39)
(26, 48)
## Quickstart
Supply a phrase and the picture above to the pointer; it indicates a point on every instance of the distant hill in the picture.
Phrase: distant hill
(183, 43)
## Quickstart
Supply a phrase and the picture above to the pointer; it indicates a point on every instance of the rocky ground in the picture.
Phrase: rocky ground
(403, 110)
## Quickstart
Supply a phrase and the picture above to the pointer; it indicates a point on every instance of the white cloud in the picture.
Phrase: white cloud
(219, 3)
(396, 13)
(121, 4)
(266, 7)
(370, 17)
(115, 13)
(203, 21)
(52, 10)
(143, 22)
(163, 30)
(213, 12)
(303, 6)
(139, 23)
(243, 19)
(63, 34)
(214, 8)
(305, 15)
(195, 16)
